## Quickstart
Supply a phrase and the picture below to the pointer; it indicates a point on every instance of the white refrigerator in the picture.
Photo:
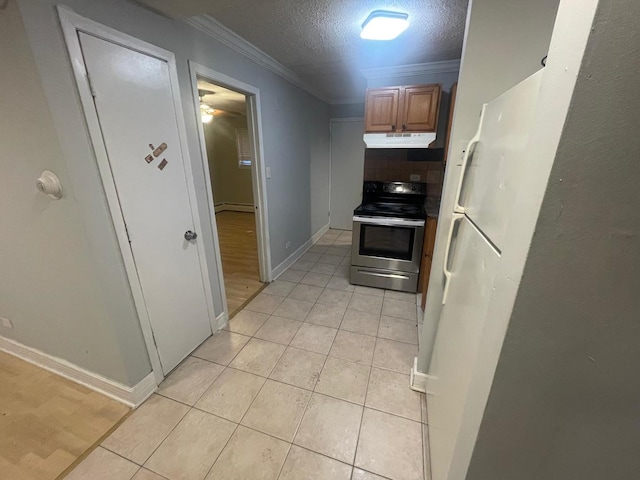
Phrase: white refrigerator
(489, 183)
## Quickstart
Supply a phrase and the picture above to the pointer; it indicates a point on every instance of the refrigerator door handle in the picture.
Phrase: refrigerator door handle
(457, 208)
(447, 272)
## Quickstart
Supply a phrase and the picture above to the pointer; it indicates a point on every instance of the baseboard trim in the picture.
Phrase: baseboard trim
(222, 320)
(130, 396)
(291, 259)
(234, 207)
(418, 380)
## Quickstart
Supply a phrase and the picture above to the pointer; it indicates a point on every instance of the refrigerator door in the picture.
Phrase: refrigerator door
(491, 177)
(473, 263)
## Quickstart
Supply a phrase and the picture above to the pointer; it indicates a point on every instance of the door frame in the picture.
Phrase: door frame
(72, 24)
(258, 168)
(331, 121)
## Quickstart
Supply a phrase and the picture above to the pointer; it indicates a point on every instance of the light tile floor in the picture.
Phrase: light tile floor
(309, 381)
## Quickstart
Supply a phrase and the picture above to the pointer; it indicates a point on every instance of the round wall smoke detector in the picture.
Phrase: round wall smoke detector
(49, 184)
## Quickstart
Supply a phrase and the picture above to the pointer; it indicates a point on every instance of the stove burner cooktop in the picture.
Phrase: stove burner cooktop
(385, 209)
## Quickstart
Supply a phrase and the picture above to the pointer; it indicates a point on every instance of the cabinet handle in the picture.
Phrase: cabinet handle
(404, 127)
(393, 127)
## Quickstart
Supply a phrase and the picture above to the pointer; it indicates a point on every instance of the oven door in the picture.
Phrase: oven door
(388, 243)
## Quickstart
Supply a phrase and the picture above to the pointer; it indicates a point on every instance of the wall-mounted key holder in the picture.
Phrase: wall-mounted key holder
(158, 151)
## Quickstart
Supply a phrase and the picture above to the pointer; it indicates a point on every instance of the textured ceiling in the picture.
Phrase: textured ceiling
(320, 39)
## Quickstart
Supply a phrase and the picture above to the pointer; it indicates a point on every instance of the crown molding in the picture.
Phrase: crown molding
(448, 66)
(215, 29)
(348, 100)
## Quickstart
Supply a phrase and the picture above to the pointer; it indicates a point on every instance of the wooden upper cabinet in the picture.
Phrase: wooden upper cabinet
(402, 109)
(381, 111)
(420, 108)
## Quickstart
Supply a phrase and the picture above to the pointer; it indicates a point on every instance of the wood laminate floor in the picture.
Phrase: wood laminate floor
(239, 252)
(47, 422)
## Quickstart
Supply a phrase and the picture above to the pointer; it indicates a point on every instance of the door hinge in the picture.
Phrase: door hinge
(91, 89)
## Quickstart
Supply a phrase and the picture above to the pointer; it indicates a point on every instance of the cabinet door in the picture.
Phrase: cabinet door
(420, 108)
(381, 109)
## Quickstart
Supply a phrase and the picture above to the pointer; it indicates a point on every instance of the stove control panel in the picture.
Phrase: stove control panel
(405, 188)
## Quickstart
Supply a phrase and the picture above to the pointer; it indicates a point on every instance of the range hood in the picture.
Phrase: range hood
(399, 140)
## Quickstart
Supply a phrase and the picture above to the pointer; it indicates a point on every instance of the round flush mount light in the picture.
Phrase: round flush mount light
(384, 25)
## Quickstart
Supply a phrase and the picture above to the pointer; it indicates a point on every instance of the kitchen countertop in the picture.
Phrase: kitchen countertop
(433, 207)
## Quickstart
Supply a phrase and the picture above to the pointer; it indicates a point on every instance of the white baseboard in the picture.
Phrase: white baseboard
(130, 396)
(234, 207)
(418, 380)
(291, 259)
(222, 320)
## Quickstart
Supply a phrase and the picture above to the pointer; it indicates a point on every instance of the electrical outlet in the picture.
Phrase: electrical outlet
(287, 245)
(414, 177)
(6, 322)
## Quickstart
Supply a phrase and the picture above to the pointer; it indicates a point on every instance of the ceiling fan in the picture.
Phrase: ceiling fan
(207, 112)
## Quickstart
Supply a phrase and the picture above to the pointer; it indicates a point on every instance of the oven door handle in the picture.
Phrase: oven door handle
(447, 250)
(457, 208)
(389, 222)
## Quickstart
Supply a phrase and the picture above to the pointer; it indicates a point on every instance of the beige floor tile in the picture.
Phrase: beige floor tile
(250, 455)
(353, 346)
(340, 283)
(231, 394)
(343, 271)
(360, 322)
(402, 296)
(398, 330)
(277, 410)
(311, 257)
(426, 451)
(314, 338)
(299, 367)
(258, 357)
(102, 464)
(292, 275)
(394, 356)
(400, 309)
(325, 315)
(342, 242)
(302, 265)
(340, 250)
(141, 433)
(344, 379)
(390, 446)
(221, 347)
(316, 279)
(192, 447)
(306, 293)
(190, 380)
(278, 330)
(319, 249)
(335, 298)
(294, 309)
(326, 242)
(389, 391)
(330, 427)
(331, 259)
(264, 303)
(246, 322)
(279, 287)
(324, 268)
(346, 261)
(305, 464)
(144, 474)
(375, 292)
(359, 474)
(365, 303)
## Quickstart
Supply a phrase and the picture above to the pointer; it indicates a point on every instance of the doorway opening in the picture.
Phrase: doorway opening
(225, 115)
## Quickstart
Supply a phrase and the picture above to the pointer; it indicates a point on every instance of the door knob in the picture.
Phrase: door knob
(189, 235)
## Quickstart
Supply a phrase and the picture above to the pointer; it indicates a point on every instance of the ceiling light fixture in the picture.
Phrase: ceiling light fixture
(206, 113)
(384, 25)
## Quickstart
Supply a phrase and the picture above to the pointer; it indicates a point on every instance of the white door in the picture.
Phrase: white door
(473, 265)
(347, 171)
(491, 179)
(135, 107)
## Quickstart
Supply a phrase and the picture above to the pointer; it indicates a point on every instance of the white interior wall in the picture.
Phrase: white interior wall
(60, 286)
(504, 44)
(295, 139)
